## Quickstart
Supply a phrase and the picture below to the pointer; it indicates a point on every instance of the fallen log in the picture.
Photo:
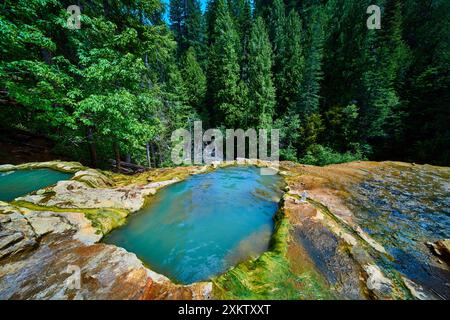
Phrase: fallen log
(128, 167)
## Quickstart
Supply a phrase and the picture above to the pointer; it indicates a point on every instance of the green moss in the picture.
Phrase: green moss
(271, 275)
(103, 219)
(152, 175)
(106, 220)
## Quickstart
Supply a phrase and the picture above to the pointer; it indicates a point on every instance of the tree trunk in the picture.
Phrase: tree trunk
(47, 56)
(117, 155)
(159, 155)
(148, 154)
(154, 154)
(92, 148)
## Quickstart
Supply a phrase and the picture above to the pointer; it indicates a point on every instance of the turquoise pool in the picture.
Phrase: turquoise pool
(202, 226)
(14, 184)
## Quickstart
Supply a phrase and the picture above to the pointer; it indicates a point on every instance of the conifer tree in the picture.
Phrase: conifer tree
(293, 62)
(223, 71)
(385, 54)
(313, 74)
(210, 20)
(195, 31)
(260, 85)
(277, 35)
(194, 79)
(177, 13)
(242, 15)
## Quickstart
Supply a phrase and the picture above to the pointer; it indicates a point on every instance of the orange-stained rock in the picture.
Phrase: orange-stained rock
(55, 268)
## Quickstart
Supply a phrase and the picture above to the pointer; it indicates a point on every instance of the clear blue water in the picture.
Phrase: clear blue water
(18, 183)
(202, 226)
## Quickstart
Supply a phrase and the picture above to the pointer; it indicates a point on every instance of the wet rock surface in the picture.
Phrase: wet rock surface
(361, 230)
(441, 249)
(390, 210)
(94, 190)
(328, 254)
(64, 268)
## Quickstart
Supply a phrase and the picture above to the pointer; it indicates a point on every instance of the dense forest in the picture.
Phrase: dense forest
(136, 70)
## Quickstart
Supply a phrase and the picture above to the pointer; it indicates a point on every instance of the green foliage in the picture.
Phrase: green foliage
(195, 30)
(224, 72)
(187, 24)
(313, 63)
(293, 64)
(261, 90)
(105, 84)
(195, 80)
(310, 131)
(342, 126)
(288, 154)
(242, 16)
(277, 34)
(319, 155)
(125, 80)
(177, 18)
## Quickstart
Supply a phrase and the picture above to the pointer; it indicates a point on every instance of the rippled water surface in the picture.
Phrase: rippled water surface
(14, 184)
(200, 227)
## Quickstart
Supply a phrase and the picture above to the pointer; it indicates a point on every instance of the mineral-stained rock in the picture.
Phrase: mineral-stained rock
(57, 165)
(375, 208)
(326, 247)
(7, 167)
(20, 229)
(44, 222)
(64, 268)
(93, 178)
(377, 281)
(416, 290)
(16, 234)
(8, 237)
(76, 194)
(441, 249)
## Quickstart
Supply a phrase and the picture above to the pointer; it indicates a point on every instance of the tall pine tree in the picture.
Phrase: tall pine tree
(242, 15)
(224, 87)
(260, 85)
(194, 79)
(177, 13)
(195, 29)
(277, 35)
(290, 91)
(313, 74)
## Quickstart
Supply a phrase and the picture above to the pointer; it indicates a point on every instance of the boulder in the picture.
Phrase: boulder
(441, 249)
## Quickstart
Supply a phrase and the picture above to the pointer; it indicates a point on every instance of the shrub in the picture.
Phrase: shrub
(288, 154)
(321, 156)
